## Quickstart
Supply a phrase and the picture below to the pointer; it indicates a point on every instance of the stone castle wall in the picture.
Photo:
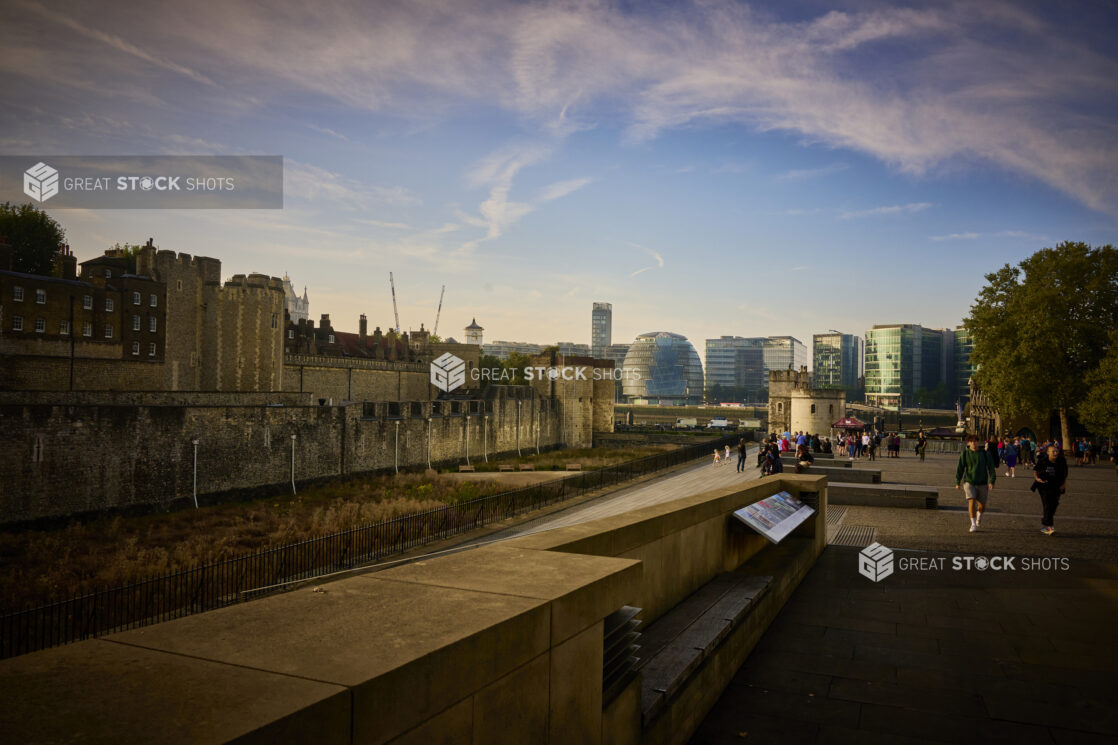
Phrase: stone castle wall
(97, 452)
(795, 406)
(341, 379)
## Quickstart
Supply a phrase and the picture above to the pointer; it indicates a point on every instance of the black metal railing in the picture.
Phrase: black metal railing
(241, 578)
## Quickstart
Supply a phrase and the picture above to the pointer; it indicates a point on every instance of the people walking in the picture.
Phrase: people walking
(921, 445)
(1051, 475)
(741, 455)
(717, 457)
(1009, 455)
(975, 475)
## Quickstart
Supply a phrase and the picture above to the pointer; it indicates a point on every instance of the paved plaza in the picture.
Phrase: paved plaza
(936, 656)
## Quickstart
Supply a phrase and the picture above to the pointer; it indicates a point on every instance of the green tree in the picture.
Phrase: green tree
(1041, 327)
(1099, 410)
(515, 365)
(128, 251)
(35, 237)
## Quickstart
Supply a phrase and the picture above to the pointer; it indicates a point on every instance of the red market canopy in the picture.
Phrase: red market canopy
(849, 422)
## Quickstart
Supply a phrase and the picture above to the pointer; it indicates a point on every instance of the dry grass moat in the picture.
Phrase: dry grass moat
(42, 566)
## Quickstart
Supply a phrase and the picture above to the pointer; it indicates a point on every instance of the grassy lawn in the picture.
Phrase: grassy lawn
(42, 566)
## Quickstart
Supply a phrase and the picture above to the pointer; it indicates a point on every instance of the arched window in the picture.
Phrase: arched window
(780, 407)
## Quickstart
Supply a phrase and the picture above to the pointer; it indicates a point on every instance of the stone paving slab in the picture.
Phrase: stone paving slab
(929, 658)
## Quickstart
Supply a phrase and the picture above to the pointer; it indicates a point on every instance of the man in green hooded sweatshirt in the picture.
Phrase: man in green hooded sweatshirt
(976, 474)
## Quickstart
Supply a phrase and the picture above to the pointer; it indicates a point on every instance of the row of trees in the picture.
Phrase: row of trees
(1046, 336)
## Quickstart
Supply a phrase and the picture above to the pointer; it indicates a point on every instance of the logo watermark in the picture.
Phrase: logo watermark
(145, 182)
(875, 562)
(448, 372)
(40, 182)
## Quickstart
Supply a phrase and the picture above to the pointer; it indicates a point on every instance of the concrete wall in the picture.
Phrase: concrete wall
(499, 644)
(98, 452)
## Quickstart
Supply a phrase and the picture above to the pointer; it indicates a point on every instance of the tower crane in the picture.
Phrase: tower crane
(439, 312)
(396, 313)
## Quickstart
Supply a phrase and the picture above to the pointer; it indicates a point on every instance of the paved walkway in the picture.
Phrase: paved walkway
(941, 655)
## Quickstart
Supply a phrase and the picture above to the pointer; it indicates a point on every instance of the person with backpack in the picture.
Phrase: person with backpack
(1050, 480)
(975, 475)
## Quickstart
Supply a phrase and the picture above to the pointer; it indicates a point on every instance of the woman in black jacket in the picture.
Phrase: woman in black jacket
(1051, 475)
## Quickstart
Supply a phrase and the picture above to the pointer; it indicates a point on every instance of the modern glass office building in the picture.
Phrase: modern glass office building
(663, 368)
(902, 358)
(601, 328)
(736, 365)
(838, 361)
(783, 353)
(964, 345)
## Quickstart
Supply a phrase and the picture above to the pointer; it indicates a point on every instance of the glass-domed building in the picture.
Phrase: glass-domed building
(663, 368)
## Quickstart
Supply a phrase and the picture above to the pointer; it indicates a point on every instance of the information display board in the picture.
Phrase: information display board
(776, 516)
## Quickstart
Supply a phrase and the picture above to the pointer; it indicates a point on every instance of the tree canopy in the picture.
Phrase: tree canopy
(1041, 328)
(35, 237)
(1099, 410)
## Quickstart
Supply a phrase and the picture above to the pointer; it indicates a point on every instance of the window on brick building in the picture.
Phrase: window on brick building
(813, 408)
(274, 320)
(291, 333)
(108, 274)
(17, 323)
(135, 323)
(17, 294)
(136, 348)
(331, 338)
(87, 302)
(87, 329)
(64, 328)
(108, 331)
(108, 305)
(151, 349)
(153, 302)
(135, 298)
(40, 325)
(41, 297)
(152, 324)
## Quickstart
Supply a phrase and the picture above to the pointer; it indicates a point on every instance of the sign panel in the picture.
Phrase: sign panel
(776, 516)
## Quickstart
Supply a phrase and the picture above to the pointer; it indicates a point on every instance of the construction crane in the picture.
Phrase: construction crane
(392, 284)
(439, 312)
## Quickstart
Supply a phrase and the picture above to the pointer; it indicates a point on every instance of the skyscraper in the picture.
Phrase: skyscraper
(838, 361)
(601, 328)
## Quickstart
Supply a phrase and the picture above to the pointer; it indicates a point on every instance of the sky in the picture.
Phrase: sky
(710, 168)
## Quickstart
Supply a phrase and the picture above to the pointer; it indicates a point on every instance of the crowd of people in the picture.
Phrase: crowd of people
(976, 471)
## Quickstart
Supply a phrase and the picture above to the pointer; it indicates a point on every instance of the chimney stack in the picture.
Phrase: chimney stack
(364, 327)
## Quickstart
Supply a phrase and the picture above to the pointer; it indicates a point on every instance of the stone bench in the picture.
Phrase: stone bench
(673, 648)
(505, 467)
(790, 460)
(847, 475)
(527, 467)
(574, 466)
(466, 469)
(883, 495)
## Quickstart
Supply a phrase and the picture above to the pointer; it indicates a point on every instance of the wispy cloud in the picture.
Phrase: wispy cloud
(811, 173)
(562, 188)
(893, 209)
(1015, 234)
(983, 82)
(656, 256)
(383, 224)
(306, 181)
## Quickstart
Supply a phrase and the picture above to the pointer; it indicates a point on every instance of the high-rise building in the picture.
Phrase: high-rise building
(601, 328)
(838, 361)
(902, 359)
(735, 368)
(963, 369)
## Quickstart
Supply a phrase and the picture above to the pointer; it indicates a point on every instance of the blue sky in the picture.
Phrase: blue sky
(709, 168)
